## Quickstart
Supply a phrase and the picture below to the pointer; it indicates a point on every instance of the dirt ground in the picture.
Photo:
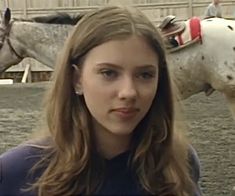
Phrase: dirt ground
(212, 131)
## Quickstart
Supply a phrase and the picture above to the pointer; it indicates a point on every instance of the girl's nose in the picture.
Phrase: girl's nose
(128, 89)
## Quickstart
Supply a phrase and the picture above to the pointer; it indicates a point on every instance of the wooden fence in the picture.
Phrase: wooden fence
(154, 9)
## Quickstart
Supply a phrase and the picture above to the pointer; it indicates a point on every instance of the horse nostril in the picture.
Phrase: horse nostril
(231, 28)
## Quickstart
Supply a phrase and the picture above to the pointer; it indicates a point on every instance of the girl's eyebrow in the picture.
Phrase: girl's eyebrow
(109, 64)
(145, 66)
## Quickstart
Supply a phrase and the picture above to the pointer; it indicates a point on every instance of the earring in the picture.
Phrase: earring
(78, 92)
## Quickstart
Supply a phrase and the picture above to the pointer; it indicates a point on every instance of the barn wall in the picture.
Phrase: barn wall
(155, 9)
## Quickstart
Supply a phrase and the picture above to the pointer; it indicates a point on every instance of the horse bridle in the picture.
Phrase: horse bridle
(6, 32)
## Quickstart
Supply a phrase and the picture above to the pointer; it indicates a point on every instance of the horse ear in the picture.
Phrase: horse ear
(7, 16)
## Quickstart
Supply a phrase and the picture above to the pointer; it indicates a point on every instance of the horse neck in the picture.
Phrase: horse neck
(38, 40)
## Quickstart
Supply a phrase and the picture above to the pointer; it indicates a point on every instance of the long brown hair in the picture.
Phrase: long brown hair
(158, 152)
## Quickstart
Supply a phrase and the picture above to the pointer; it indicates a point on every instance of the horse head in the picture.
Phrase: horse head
(8, 52)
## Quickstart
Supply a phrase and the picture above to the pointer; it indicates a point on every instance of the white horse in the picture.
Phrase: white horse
(201, 67)
(209, 65)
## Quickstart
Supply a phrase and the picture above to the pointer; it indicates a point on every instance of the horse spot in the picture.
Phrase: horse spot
(231, 28)
(203, 57)
(225, 63)
(233, 48)
(181, 68)
(229, 77)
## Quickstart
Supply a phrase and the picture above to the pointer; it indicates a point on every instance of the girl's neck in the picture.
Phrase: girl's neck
(110, 145)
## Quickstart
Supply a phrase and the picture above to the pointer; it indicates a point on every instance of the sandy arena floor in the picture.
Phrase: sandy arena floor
(212, 130)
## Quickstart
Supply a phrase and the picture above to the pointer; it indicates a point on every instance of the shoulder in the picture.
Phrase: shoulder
(194, 163)
(195, 169)
(15, 166)
(20, 155)
(209, 5)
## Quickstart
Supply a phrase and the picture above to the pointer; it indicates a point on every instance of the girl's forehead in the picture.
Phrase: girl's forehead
(135, 46)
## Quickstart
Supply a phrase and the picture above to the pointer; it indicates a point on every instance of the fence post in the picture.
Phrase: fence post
(6, 3)
(25, 9)
(190, 8)
(27, 74)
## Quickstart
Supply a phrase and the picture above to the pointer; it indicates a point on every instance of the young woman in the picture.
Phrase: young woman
(110, 118)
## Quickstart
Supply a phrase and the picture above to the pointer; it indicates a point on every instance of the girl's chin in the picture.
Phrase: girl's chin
(122, 132)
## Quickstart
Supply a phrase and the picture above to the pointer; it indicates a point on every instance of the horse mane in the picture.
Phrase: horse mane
(57, 18)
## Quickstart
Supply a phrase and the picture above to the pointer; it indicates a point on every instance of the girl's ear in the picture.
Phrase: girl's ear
(77, 85)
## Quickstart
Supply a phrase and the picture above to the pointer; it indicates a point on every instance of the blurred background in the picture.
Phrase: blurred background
(211, 127)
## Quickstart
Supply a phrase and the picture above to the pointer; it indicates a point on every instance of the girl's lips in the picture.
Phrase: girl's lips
(125, 113)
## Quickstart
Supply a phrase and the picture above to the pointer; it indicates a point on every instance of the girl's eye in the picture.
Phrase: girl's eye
(146, 75)
(109, 74)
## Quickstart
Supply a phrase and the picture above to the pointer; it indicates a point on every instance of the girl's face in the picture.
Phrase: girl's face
(119, 81)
